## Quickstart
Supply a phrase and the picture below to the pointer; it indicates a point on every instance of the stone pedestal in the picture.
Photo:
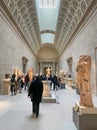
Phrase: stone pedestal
(85, 110)
(46, 88)
(69, 82)
(85, 118)
(48, 97)
(6, 86)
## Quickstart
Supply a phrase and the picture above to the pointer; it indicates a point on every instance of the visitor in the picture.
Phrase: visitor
(35, 92)
(13, 85)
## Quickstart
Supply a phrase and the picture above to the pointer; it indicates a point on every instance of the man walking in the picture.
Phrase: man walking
(35, 93)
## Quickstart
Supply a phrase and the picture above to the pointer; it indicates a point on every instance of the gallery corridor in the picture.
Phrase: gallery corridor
(15, 112)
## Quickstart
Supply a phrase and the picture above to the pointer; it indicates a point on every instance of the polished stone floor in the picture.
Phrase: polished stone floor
(16, 112)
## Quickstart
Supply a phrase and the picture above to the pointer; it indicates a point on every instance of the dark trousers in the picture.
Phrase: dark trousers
(54, 86)
(12, 89)
(36, 107)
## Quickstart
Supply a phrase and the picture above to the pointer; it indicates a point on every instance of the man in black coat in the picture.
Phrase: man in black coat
(35, 93)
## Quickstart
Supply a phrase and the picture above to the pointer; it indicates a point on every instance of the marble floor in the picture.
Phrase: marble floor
(16, 112)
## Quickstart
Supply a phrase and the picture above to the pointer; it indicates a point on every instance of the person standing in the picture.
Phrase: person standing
(35, 92)
(19, 80)
(13, 84)
(55, 82)
(26, 81)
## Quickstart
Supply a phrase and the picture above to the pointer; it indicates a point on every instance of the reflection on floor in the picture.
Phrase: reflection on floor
(16, 112)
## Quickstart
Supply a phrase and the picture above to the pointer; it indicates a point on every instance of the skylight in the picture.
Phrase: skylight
(47, 3)
(47, 12)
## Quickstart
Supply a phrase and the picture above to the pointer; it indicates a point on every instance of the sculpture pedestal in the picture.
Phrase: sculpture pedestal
(69, 82)
(85, 118)
(6, 86)
(85, 110)
(46, 88)
(47, 97)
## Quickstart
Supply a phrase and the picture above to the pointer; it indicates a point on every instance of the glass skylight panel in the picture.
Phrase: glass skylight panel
(48, 3)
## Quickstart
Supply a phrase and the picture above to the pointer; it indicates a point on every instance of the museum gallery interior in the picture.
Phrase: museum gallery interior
(49, 38)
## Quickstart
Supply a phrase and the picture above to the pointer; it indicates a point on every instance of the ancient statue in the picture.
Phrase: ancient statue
(30, 73)
(62, 75)
(48, 71)
(83, 80)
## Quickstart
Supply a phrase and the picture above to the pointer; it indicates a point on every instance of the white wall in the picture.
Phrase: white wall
(12, 48)
(84, 43)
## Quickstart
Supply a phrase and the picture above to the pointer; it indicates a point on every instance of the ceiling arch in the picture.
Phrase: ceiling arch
(58, 23)
(47, 31)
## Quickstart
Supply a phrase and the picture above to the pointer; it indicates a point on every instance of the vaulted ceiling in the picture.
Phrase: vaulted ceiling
(25, 15)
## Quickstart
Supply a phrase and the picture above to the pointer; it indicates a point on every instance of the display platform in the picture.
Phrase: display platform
(86, 110)
(85, 118)
(51, 99)
(6, 87)
(48, 96)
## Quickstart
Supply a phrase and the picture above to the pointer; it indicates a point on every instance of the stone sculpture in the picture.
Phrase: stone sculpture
(83, 80)
(30, 73)
(62, 75)
(48, 71)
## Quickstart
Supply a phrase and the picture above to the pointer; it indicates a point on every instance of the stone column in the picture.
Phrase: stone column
(41, 68)
(37, 67)
(57, 67)
(53, 69)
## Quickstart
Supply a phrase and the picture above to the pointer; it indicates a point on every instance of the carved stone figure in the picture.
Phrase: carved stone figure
(48, 71)
(83, 80)
(30, 73)
(62, 75)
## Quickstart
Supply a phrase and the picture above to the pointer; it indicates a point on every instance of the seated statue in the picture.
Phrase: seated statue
(83, 80)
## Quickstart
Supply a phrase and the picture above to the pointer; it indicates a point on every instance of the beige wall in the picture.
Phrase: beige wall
(13, 48)
(84, 43)
(47, 53)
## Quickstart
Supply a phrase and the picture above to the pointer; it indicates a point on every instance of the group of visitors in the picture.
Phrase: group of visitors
(55, 82)
(35, 89)
(18, 84)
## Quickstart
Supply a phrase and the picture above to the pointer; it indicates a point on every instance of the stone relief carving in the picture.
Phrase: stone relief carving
(83, 6)
(75, 4)
(83, 80)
